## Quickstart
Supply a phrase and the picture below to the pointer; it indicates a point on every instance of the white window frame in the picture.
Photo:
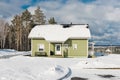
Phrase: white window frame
(41, 47)
(75, 46)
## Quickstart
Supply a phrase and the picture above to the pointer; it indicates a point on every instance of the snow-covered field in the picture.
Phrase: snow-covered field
(46, 68)
(6, 53)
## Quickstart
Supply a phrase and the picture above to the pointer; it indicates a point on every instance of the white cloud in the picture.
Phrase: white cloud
(102, 15)
(114, 15)
(1, 16)
(32, 9)
(12, 7)
(107, 3)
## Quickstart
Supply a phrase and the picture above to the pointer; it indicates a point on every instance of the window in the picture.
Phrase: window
(41, 47)
(58, 47)
(74, 46)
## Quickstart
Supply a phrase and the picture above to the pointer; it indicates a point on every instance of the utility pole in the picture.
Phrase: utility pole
(111, 45)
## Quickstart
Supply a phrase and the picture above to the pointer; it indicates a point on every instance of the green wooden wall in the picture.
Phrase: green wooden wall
(81, 51)
(82, 48)
(52, 47)
(35, 44)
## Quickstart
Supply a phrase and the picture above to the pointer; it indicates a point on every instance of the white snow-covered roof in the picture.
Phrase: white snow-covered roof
(56, 33)
(108, 50)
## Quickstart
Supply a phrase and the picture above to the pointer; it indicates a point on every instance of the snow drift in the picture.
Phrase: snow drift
(45, 68)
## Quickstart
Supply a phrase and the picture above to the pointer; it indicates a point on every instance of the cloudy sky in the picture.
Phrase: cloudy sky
(103, 16)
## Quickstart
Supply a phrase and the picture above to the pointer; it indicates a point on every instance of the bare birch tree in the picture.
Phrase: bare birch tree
(3, 32)
(16, 35)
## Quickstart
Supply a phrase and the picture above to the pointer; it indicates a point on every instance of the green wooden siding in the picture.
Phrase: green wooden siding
(81, 51)
(82, 47)
(52, 47)
(36, 42)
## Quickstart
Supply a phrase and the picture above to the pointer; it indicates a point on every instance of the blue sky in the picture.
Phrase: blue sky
(103, 16)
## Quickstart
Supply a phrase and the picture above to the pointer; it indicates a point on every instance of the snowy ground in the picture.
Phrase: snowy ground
(6, 53)
(45, 68)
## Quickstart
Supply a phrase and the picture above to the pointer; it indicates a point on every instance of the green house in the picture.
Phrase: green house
(60, 40)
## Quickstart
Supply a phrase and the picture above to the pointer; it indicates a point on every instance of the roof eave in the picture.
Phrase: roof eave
(79, 37)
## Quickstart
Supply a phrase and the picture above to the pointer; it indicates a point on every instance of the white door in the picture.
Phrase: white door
(58, 49)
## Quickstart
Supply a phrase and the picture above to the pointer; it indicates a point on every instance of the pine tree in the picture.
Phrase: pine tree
(17, 24)
(39, 17)
(21, 25)
(27, 25)
(52, 21)
(26, 15)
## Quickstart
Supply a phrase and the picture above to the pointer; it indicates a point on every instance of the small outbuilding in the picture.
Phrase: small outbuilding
(60, 40)
(108, 51)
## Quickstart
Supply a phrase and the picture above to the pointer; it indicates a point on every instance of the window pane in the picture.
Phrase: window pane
(74, 46)
(58, 47)
(41, 47)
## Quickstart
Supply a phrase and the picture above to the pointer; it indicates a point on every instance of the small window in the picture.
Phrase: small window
(41, 47)
(74, 46)
(58, 47)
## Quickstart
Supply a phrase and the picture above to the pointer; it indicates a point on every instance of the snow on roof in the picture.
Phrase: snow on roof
(108, 50)
(57, 33)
